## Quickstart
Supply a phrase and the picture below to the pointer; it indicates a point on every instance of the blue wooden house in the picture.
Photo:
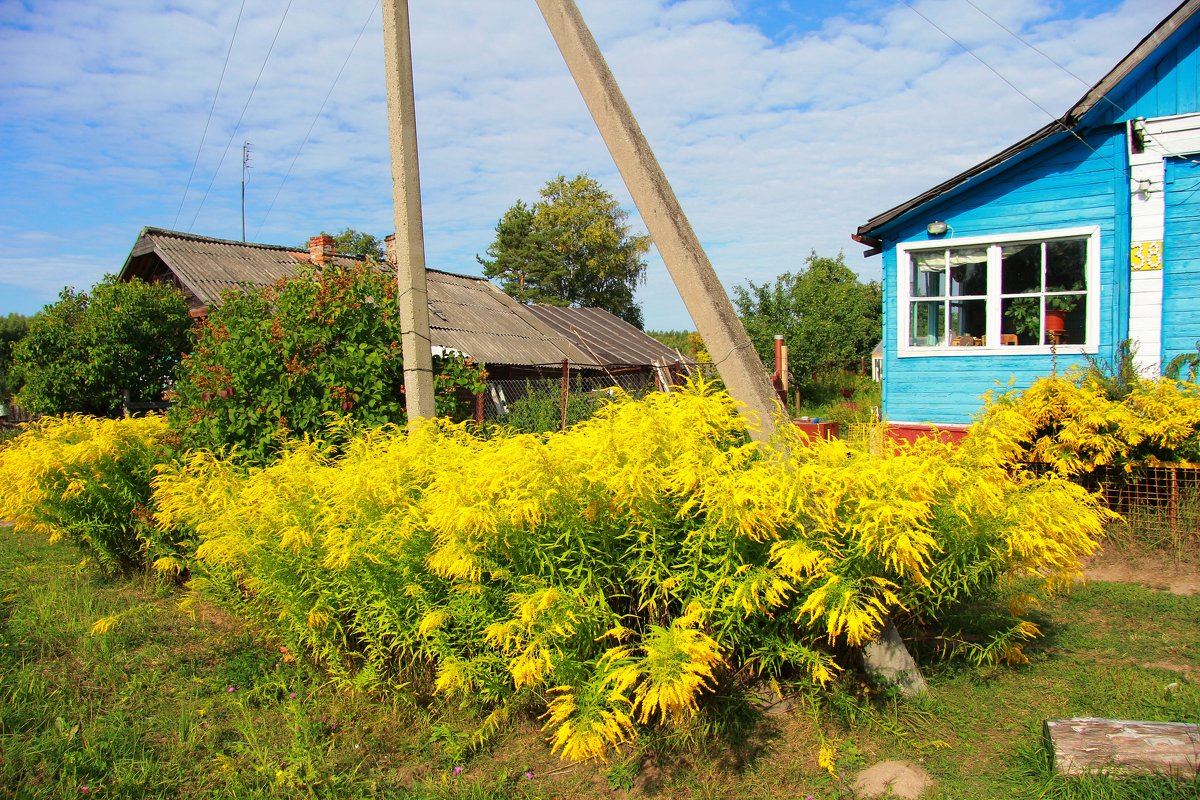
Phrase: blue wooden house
(1081, 235)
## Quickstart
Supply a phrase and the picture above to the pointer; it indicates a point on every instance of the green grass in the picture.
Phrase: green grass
(146, 711)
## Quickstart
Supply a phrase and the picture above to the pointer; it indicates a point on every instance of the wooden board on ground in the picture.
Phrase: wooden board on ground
(1085, 745)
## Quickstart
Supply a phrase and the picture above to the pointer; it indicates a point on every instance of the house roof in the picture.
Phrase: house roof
(467, 314)
(606, 338)
(1064, 126)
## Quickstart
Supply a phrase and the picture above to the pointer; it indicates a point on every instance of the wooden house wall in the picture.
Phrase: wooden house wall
(1069, 185)
(1181, 259)
(1166, 84)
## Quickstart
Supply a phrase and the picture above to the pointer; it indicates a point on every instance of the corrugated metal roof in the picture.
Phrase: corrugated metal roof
(467, 314)
(606, 338)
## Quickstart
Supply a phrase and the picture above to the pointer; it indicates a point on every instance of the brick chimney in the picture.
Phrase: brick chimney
(389, 244)
(321, 249)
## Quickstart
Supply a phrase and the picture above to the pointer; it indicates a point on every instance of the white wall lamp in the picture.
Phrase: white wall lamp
(937, 228)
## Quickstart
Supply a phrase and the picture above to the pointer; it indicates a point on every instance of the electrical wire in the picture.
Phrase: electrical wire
(1057, 120)
(1120, 109)
(316, 117)
(195, 161)
(242, 116)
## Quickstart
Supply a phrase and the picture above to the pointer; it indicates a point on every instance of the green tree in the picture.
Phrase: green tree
(285, 360)
(84, 352)
(571, 248)
(12, 329)
(828, 318)
(356, 243)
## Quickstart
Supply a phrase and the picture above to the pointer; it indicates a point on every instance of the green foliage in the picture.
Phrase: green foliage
(350, 242)
(145, 710)
(844, 397)
(289, 359)
(87, 480)
(616, 574)
(683, 341)
(828, 318)
(12, 329)
(572, 247)
(1118, 376)
(1185, 366)
(540, 409)
(83, 352)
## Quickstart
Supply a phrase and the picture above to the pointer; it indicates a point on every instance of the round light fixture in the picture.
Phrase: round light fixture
(937, 228)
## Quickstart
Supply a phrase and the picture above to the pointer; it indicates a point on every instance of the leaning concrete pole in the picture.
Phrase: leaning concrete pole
(705, 298)
(406, 199)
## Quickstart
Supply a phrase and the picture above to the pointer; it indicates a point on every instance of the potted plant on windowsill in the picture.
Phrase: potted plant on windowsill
(1026, 314)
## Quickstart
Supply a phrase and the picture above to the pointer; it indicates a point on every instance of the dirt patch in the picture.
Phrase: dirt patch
(1152, 570)
(1187, 671)
(899, 779)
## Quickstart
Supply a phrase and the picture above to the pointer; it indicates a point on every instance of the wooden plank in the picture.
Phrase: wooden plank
(1083, 745)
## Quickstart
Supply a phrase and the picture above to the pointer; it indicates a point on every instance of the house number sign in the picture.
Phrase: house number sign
(1145, 256)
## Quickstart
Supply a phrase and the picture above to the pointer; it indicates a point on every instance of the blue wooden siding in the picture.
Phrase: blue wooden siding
(1168, 83)
(1181, 259)
(1069, 185)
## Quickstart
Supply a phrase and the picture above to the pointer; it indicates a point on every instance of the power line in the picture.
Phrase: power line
(316, 117)
(237, 24)
(1120, 109)
(1058, 121)
(243, 114)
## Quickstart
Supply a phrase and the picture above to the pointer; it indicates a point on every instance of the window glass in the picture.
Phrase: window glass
(968, 271)
(927, 325)
(1066, 319)
(928, 273)
(1066, 265)
(968, 322)
(1021, 320)
(1021, 268)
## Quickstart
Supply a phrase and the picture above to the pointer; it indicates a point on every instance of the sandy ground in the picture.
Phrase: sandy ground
(1153, 570)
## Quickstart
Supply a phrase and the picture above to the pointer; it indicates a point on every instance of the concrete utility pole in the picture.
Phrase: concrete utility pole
(702, 293)
(406, 198)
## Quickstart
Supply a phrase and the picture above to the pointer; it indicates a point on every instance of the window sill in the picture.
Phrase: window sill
(1007, 350)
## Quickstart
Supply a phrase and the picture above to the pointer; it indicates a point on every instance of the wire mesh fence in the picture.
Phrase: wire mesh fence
(1159, 504)
(539, 404)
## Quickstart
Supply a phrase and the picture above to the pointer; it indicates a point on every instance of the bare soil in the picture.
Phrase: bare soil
(1152, 569)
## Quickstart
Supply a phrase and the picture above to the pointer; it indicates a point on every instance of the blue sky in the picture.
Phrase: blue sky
(781, 125)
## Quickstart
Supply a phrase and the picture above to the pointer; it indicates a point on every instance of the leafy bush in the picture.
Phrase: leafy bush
(12, 329)
(828, 318)
(540, 409)
(84, 352)
(615, 575)
(1083, 421)
(284, 360)
(87, 480)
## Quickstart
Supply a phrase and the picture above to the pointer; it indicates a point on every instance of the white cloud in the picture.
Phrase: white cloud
(778, 139)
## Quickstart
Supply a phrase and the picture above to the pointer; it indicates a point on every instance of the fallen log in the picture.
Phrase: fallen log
(1084, 745)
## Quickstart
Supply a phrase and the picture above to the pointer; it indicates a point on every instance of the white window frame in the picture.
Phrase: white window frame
(993, 243)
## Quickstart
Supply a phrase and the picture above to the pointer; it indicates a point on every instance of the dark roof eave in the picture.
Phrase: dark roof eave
(872, 225)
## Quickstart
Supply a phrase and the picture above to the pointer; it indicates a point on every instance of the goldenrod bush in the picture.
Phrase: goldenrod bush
(1075, 423)
(87, 480)
(616, 574)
